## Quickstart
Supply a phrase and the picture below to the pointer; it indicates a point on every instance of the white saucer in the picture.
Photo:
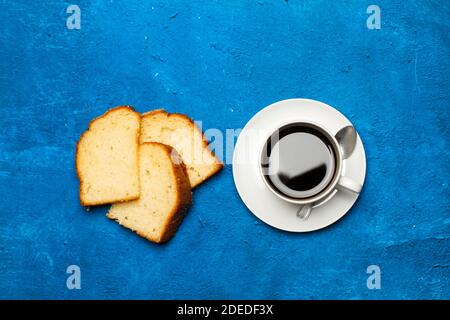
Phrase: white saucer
(248, 180)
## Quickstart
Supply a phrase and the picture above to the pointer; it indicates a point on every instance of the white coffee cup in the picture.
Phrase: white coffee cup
(339, 182)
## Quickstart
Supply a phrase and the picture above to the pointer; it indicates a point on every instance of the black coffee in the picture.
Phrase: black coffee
(298, 161)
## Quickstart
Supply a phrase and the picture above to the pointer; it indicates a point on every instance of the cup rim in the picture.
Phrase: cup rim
(337, 172)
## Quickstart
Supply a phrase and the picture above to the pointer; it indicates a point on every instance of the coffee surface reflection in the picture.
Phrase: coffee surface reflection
(298, 161)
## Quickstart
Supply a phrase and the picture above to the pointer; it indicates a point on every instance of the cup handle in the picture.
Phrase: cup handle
(348, 184)
(304, 211)
(344, 183)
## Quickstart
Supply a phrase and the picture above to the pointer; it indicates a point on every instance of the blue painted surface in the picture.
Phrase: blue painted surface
(221, 62)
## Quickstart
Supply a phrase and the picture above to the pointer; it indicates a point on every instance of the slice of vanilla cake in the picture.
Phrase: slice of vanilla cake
(165, 195)
(180, 132)
(107, 158)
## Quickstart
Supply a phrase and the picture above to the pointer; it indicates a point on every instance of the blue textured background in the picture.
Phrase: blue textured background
(221, 62)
